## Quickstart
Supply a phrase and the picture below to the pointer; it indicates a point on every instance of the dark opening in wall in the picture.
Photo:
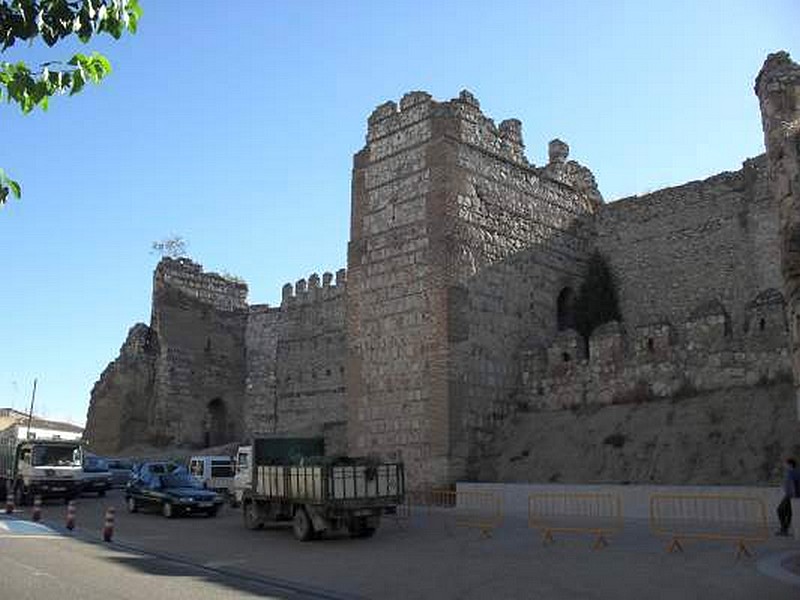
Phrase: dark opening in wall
(566, 357)
(327, 372)
(762, 324)
(651, 345)
(216, 431)
(565, 309)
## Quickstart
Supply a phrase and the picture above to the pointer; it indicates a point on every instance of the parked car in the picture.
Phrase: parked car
(172, 492)
(95, 476)
(121, 470)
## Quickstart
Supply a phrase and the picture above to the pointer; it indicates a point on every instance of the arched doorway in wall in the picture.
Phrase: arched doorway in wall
(565, 309)
(216, 423)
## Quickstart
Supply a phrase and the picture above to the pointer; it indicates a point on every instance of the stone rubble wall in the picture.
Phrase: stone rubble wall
(200, 321)
(658, 361)
(674, 249)
(120, 400)
(778, 90)
(519, 236)
(310, 356)
(458, 246)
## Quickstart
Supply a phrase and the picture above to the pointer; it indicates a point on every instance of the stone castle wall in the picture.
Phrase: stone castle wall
(458, 247)
(464, 259)
(673, 250)
(199, 319)
(778, 89)
(296, 356)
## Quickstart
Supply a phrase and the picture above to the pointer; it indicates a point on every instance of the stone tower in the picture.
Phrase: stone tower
(459, 247)
(778, 90)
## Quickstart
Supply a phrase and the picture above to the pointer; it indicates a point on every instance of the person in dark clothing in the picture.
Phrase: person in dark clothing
(791, 489)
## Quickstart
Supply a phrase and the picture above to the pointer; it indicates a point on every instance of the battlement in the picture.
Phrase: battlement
(314, 289)
(211, 288)
(390, 120)
(394, 128)
(707, 351)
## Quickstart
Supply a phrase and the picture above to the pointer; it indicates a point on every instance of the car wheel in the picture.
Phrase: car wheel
(212, 512)
(252, 516)
(301, 526)
(101, 494)
(167, 510)
(131, 504)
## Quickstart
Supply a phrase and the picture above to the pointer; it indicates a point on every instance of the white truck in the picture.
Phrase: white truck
(293, 481)
(39, 467)
(213, 473)
(242, 476)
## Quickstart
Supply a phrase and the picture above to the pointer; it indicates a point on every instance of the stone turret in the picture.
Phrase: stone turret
(778, 90)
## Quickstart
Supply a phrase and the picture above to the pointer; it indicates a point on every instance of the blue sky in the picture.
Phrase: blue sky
(234, 126)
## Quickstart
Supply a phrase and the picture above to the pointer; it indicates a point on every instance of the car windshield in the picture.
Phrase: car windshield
(94, 464)
(179, 479)
(56, 456)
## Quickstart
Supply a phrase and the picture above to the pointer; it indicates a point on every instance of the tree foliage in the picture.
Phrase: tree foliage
(597, 301)
(52, 21)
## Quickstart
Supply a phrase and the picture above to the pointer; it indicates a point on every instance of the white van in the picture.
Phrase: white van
(242, 478)
(213, 472)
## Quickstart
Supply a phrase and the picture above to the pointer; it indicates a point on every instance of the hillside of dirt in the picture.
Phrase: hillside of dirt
(734, 436)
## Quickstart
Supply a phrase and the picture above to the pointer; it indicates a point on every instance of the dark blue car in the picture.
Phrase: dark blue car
(171, 492)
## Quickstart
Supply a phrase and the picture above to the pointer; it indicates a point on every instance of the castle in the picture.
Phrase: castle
(458, 304)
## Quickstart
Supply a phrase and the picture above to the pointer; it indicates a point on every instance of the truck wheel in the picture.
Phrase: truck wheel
(132, 506)
(252, 517)
(303, 530)
(20, 497)
(167, 510)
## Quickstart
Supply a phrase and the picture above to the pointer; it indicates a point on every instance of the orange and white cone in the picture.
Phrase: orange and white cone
(108, 527)
(70, 515)
(36, 513)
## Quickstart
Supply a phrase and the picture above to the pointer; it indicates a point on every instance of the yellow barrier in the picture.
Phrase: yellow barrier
(599, 514)
(740, 519)
(481, 510)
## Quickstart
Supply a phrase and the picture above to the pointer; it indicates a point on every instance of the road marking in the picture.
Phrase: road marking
(15, 528)
(216, 564)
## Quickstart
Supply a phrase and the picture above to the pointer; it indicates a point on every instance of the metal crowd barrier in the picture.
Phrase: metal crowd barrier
(599, 514)
(481, 510)
(739, 519)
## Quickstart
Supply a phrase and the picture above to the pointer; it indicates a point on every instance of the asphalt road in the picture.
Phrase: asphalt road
(198, 557)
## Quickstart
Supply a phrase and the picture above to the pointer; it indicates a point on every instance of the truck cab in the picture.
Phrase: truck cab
(242, 477)
(46, 468)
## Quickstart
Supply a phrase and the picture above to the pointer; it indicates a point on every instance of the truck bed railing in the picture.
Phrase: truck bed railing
(339, 484)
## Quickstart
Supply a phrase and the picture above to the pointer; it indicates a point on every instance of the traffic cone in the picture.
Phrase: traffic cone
(36, 514)
(70, 515)
(108, 527)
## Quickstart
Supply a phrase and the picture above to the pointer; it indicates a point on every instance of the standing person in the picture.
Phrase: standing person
(791, 489)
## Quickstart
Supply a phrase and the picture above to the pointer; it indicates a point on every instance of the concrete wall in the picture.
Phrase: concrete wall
(635, 498)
